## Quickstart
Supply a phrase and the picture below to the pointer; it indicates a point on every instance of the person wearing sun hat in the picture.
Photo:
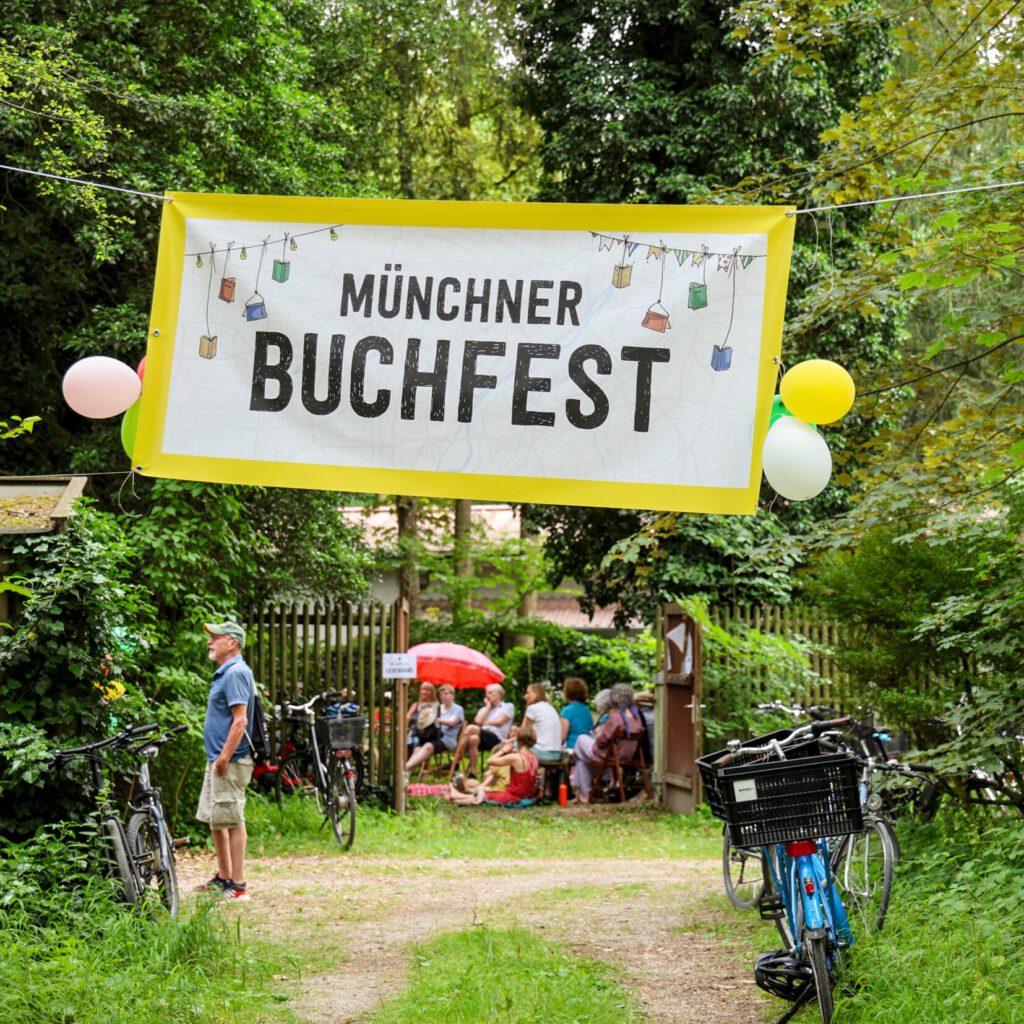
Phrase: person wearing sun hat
(229, 710)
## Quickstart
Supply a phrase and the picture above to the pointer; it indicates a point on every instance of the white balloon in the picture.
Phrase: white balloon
(796, 459)
(99, 386)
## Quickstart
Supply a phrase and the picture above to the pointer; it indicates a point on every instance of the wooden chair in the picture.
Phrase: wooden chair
(614, 766)
(435, 763)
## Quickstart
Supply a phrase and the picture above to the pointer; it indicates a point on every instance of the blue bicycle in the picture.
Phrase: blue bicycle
(781, 794)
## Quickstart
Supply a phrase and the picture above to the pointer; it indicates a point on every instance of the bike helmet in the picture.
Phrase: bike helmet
(782, 974)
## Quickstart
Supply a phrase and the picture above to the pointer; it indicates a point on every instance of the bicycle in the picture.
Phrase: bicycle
(743, 869)
(297, 747)
(330, 776)
(781, 794)
(140, 856)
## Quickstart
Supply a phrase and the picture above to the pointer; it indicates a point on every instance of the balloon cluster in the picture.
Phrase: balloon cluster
(796, 459)
(99, 387)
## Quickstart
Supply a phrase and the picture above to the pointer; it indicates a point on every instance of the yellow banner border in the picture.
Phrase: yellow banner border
(776, 222)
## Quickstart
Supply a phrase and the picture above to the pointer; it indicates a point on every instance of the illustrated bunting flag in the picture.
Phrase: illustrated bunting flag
(464, 350)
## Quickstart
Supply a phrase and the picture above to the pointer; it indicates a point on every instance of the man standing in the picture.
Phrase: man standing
(229, 711)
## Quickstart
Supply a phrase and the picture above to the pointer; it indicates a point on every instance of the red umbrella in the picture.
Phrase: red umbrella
(456, 664)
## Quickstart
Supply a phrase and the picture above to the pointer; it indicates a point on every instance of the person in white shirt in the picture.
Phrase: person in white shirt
(490, 726)
(546, 723)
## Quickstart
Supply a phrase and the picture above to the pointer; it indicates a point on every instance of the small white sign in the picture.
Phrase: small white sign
(399, 666)
(744, 790)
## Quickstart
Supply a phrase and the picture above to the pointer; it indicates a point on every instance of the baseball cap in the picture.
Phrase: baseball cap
(231, 629)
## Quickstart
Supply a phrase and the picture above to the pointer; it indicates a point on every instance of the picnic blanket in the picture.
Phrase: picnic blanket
(426, 789)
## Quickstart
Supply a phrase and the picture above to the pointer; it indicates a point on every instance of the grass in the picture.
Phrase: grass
(506, 976)
(99, 963)
(434, 830)
(950, 949)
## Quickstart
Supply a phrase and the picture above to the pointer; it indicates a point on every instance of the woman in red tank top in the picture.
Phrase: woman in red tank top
(522, 783)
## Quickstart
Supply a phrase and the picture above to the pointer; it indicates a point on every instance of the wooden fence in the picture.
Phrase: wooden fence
(297, 650)
(818, 636)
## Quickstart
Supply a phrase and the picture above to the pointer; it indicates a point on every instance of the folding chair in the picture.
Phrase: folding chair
(614, 765)
(435, 763)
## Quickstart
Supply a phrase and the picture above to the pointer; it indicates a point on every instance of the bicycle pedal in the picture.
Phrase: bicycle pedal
(770, 908)
(183, 841)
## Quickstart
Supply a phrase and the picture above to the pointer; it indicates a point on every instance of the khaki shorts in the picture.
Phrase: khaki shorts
(222, 801)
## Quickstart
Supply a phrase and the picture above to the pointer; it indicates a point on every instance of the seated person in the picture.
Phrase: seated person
(546, 724)
(622, 729)
(576, 719)
(602, 705)
(522, 764)
(490, 726)
(449, 717)
(422, 718)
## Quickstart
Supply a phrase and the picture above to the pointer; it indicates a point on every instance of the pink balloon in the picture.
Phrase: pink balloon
(141, 371)
(99, 386)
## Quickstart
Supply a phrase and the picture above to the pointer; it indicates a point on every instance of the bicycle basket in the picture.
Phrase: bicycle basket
(347, 733)
(709, 774)
(782, 801)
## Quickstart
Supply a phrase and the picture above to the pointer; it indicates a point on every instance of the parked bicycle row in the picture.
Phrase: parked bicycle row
(809, 841)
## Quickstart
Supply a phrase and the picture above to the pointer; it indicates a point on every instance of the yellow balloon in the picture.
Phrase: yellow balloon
(818, 391)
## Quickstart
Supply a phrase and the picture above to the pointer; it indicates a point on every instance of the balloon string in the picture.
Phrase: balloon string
(130, 476)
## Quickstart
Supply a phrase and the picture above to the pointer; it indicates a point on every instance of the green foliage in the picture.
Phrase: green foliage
(70, 953)
(85, 622)
(638, 560)
(880, 592)
(653, 101)
(733, 655)
(955, 905)
(508, 976)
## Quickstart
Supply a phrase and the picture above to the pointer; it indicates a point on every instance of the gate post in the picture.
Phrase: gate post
(678, 695)
(400, 705)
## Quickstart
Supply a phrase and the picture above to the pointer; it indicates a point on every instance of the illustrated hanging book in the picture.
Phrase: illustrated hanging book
(227, 284)
(208, 341)
(654, 320)
(282, 267)
(255, 305)
(698, 298)
(622, 273)
(721, 357)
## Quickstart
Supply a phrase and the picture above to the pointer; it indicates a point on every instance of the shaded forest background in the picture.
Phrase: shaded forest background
(916, 546)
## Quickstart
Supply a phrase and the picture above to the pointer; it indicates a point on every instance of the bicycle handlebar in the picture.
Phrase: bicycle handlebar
(815, 729)
(120, 739)
(327, 695)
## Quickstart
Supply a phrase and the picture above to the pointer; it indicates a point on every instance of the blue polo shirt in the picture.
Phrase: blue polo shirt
(233, 684)
(580, 720)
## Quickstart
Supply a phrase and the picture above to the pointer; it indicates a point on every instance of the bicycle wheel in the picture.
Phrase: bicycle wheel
(157, 872)
(816, 949)
(341, 806)
(295, 777)
(119, 859)
(359, 764)
(743, 873)
(863, 866)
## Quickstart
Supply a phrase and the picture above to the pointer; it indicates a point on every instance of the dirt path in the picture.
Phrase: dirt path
(659, 921)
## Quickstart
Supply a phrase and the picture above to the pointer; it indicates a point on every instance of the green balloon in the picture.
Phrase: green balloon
(778, 410)
(130, 427)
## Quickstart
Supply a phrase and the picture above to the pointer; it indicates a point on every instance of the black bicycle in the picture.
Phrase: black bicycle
(140, 857)
(323, 766)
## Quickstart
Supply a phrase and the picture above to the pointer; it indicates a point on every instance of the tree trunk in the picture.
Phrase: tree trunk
(462, 555)
(408, 533)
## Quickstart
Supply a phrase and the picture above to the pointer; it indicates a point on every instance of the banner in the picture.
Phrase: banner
(623, 356)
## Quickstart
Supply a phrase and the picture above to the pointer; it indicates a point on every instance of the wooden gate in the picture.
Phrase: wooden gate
(678, 689)
(297, 650)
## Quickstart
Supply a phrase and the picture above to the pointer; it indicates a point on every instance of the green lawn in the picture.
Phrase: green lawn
(435, 829)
